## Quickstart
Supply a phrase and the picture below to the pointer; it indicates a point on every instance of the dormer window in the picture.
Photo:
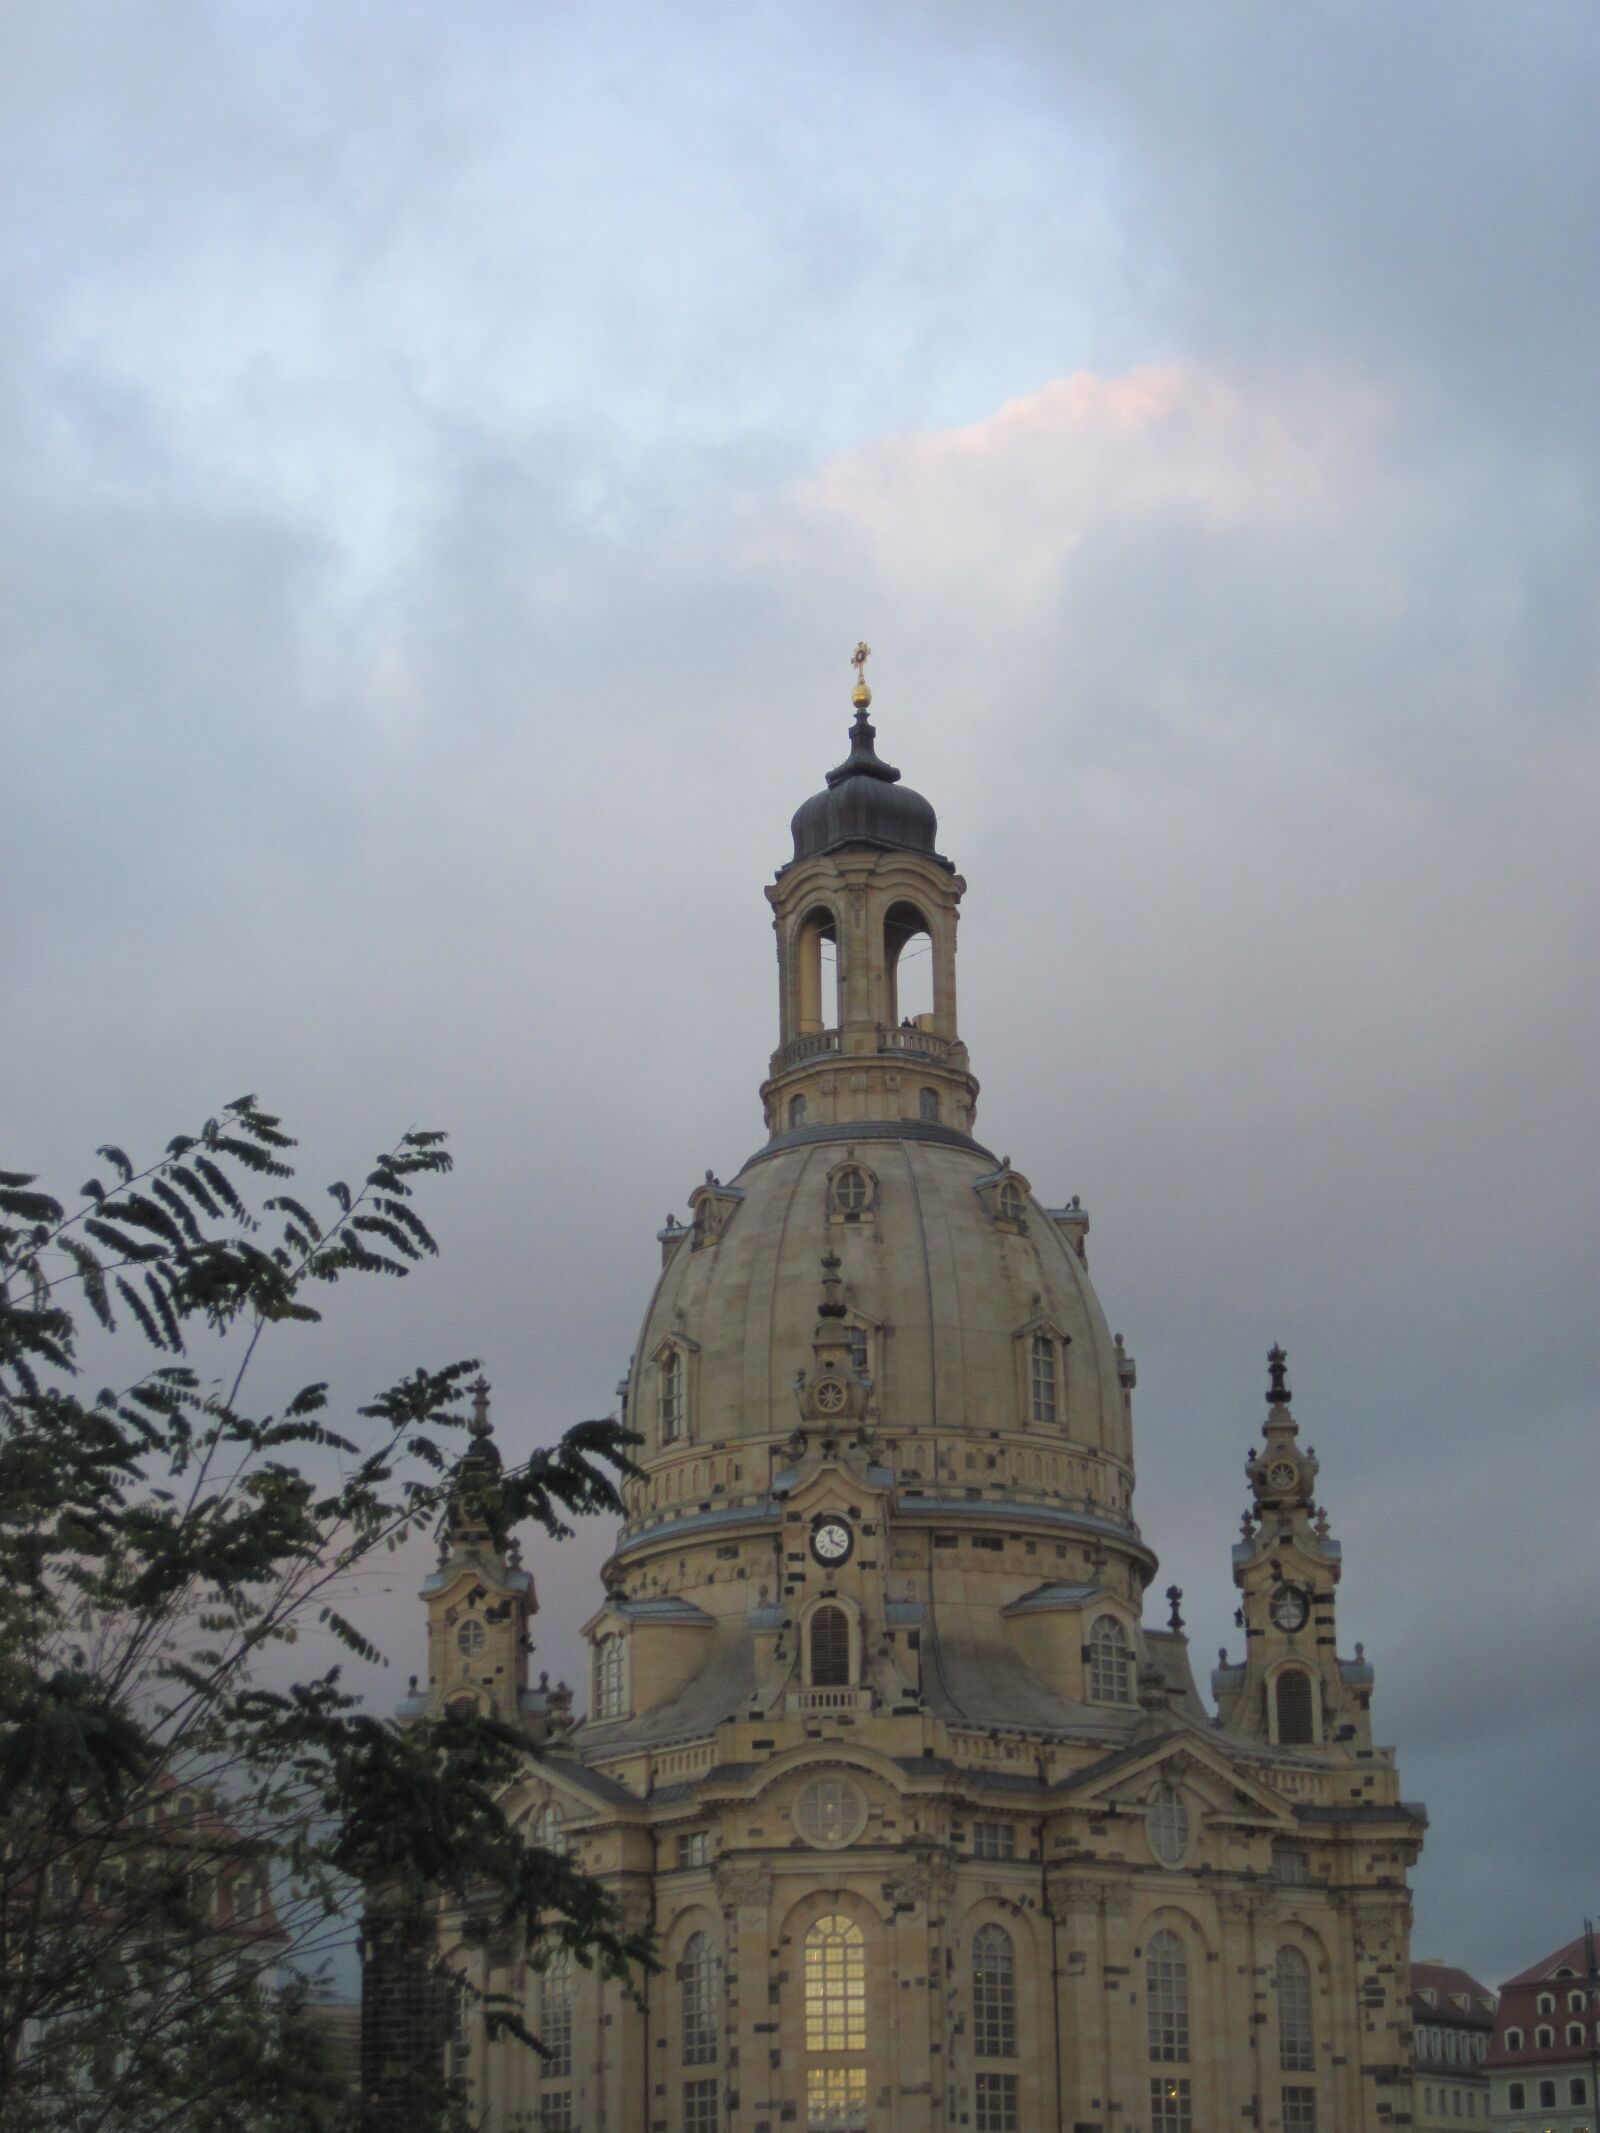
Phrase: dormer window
(852, 1193)
(1110, 1662)
(610, 1676)
(670, 1396)
(1547, 2003)
(1544, 2038)
(1010, 1204)
(1513, 2040)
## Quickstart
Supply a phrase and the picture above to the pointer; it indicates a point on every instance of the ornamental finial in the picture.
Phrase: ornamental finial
(861, 695)
(1277, 1366)
(479, 1388)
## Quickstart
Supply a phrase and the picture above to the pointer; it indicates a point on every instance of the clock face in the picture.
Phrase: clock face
(831, 1541)
(830, 1396)
(1290, 1607)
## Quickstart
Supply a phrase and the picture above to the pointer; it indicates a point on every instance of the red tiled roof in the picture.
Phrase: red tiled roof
(1574, 1957)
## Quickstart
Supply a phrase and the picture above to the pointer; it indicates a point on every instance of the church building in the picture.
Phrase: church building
(933, 1827)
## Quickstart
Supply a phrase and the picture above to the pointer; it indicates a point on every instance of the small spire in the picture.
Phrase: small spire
(861, 695)
(1277, 1366)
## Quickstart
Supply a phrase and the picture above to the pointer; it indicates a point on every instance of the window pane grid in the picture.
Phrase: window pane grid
(1295, 2053)
(1300, 2111)
(836, 1987)
(995, 2104)
(1166, 1982)
(610, 1688)
(1044, 1378)
(671, 1397)
(994, 1994)
(701, 2112)
(1110, 1663)
(1170, 2107)
(836, 2099)
(555, 2016)
(697, 1975)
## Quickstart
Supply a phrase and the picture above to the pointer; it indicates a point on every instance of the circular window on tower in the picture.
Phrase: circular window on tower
(1168, 1826)
(830, 1397)
(471, 1637)
(830, 1813)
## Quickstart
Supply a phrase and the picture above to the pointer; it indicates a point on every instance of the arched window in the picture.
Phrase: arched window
(471, 1637)
(1546, 2003)
(1042, 1378)
(1513, 2040)
(1110, 1662)
(699, 1990)
(1516, 2096)
(1577, 2091)
(670, 1396)
(1547, 2095)
(1574, 2032)
(1010, 1202)
(1544, 2038)
(1296, 1725)
(1295, 2042)
(1166, 1996)
(1168, 1824)
(836, 2026)
(994, 1994)
(555, 2014)
(928, 1106)
(908, 964)
(797, 1112)
(610, 1677)
(816, 972)
(829, 1635)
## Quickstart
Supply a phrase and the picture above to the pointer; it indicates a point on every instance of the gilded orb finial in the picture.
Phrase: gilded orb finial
(861, 695)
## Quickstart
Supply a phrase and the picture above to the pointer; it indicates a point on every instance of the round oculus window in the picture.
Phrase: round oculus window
(830, 1813)
(830, 1396)
(1289, 1608)
(1281, 1474)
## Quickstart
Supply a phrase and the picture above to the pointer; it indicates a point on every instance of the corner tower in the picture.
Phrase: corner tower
(865, 882)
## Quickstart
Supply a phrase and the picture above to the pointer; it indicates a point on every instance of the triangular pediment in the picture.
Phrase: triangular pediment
(1125, 1780)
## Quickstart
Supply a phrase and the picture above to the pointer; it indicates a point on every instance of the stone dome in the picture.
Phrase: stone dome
(864, 802)
(948, 1269)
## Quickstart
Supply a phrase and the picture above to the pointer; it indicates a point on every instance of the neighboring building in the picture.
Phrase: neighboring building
(933, 1829)
(1452, 2021)
(1544, 2060)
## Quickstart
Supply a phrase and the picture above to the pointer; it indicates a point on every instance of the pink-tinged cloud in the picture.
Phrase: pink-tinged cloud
(1007, 499)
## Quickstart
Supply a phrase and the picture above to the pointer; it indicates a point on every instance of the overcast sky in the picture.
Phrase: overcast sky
(446, 458)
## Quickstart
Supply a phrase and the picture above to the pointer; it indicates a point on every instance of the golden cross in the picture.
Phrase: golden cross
(859, 658)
